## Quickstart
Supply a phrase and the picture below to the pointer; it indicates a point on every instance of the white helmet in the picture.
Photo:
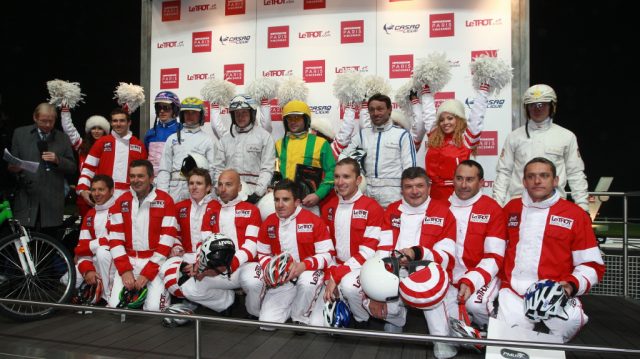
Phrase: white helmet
(425, 287)
(266, 205)
(461, 328)
(180, 308)
(545, 299)
(539, 93)
(277, 269)
(192, 161)
(377, 282)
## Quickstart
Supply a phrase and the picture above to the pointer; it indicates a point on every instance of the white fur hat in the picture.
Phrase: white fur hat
(324, 126)
(452, 106)
(97, 121)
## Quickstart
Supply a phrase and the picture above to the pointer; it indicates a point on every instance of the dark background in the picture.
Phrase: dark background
(581, 49)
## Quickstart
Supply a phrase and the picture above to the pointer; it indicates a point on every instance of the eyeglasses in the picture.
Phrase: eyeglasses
(537, 105)
(163, 107)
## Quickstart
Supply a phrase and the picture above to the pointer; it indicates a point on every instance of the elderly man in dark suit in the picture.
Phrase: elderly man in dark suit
(39, 200)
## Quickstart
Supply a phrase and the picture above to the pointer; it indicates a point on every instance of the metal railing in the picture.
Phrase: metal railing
(405, 337)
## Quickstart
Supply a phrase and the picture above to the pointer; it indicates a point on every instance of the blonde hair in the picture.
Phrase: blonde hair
(436, 138)
(45, 107)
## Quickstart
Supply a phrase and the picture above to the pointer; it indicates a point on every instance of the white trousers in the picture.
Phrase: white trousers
(104, 267)
(295, 301)
(479, 305)
(157, 296)
(511, 311)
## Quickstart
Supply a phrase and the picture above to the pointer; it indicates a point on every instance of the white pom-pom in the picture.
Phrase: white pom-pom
(218, 91)
(492, 71)
(129, 96)
(291, 89)
(64, 92)
(374, 84)
(402, 97)
(349, 87)
(263, 88)
(433, 70)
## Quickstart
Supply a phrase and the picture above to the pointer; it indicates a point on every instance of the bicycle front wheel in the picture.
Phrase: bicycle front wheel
(51, 260)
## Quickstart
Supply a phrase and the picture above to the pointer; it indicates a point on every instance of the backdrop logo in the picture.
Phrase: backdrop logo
(278, 36)
(170, 44)
(351, 31)
(169, 78)
(483, 22)
(321, 109)
(400, 66)
(488, 145)
(236, 40)
(315, 4)
(405, 28)
(207, 111)
(314, 34)
(454, 63)
(200, 76)
(276, 110)
(354, 68)
(201, 41)
(277, 2)
(171, 11)
(202, 7)
(441, 97)
(277, 73)
(234, 73)
(313, 71)
(477, 53)
(493, 103)
(234, 7)
(441, 25)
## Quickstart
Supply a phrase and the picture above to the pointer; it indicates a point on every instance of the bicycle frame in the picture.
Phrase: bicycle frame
(24, 254)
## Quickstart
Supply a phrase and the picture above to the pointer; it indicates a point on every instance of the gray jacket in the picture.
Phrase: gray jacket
(44, 189)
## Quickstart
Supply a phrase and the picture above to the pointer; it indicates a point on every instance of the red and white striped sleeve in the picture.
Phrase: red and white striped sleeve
(263, 246)
(587, 260)
(323, 246)
(443, 251)
(90, 167)
(168, 235)
(248, 251)
(116, 236)
(83, 249)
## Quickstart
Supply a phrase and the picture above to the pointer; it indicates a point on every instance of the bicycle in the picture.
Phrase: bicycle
(31, 265)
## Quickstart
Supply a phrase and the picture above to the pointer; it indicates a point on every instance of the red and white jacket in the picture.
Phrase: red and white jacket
(431, 226)
(480, 240)
(303, 235)
(111, 156)
(93, 234)
(552, 239)
(354, 226)
(189, 216)
(142, 230)
(239, 221)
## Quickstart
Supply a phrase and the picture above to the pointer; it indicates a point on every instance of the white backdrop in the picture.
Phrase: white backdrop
(240, 40)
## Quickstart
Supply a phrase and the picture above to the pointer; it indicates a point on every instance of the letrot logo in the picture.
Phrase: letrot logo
(483, 22)
(234, 7)
(234, 73)
(441, 25)
(170, 44)
(400, 66)
(276, 2)
(351, 32)
(171, 11)
(201, 41)
(313, 71)
(200, 76)
(169, 78)
(202, 7)
(277, 73)
(314, 34)
(278, 36)
(353, 68)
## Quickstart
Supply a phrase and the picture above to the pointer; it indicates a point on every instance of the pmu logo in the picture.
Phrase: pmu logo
(277, 2)
(321, 110)
(405, 29)
(202, 7)
(234, 73)
(278, 36)
(400, 66)
(313, 71)
(277, 73)
(169, 44)
(201, 41)
(482, 22)
(477, 53)
(314, 34)
(493, 103)
(171, 11)
(169, 78)
(488, 144)
(236, 40)
(441, 25)
(355, 68)
(351, 32)
(200, 76)
(234, 7)
(315, 4)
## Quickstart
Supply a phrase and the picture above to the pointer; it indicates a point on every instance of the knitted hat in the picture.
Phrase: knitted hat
(454, 107)
(97, 121)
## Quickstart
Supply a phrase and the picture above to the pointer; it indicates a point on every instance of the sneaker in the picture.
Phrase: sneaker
(390, 328)
(298, 332)
(444, 350)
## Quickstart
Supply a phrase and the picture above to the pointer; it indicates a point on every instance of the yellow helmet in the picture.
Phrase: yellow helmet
(192, 104)
(296, 107)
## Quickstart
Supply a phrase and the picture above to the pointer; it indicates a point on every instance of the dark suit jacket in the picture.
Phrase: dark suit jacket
(42, 190)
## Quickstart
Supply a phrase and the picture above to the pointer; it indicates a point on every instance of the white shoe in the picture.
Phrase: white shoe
(444, 350)
(390, 328)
